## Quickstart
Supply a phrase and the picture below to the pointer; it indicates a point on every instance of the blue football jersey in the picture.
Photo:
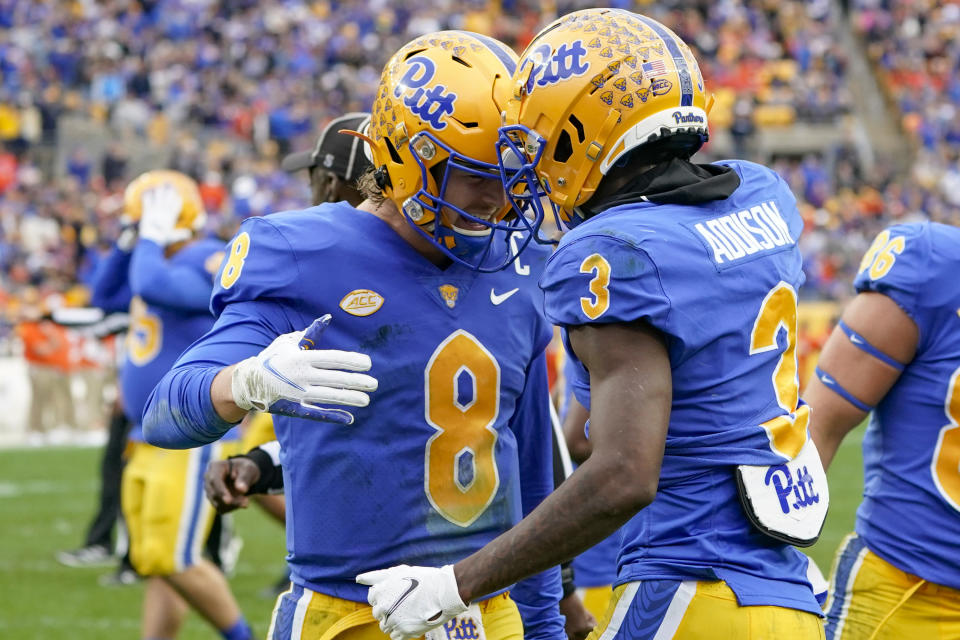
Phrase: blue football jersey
(719, 280)
(911, 450)
(169, 310)
(430, 471)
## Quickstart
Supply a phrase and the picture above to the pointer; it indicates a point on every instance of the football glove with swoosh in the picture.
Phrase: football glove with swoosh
(291, 377)
(409, 601)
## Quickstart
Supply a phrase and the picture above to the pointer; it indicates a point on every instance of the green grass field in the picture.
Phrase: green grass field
(47, 498)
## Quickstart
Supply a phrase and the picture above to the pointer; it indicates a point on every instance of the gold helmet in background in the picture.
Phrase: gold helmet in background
(192, 215)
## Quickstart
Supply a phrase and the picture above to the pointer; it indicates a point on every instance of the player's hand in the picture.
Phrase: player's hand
(227, 482)
(161, 207)
(580, 622)
(409, 601)
(291, 377)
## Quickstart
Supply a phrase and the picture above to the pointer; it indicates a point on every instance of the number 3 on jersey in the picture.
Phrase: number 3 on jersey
(599, 302)
(462, 385)
(239, 249)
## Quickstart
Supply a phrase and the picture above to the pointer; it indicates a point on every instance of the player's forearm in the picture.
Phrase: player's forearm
(593, 503)
(831, 419)
(180, 412)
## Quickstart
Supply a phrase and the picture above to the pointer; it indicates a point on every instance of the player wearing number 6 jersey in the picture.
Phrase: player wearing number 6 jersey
(678, 294)
(454, 445)
(896, 352)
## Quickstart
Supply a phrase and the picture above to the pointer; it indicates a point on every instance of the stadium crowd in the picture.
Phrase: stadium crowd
(224, 89)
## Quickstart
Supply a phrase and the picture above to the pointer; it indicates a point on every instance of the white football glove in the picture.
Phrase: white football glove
(161, 207)
(290, 377)
(409, 601)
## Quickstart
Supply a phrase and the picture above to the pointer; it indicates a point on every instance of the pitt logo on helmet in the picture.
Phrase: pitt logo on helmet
(546, 69)
(361, 302)
(431, 104)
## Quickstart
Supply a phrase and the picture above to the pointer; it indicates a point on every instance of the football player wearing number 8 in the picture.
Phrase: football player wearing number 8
(171, 277)
(455, 444)
(896, 353)
(677, 292)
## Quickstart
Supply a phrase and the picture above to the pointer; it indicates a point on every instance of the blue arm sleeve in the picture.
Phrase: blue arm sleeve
(538, 595)
(179, 413)
(159, 282)
(110, 283)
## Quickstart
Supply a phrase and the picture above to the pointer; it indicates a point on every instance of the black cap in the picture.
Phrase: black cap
(338, 153)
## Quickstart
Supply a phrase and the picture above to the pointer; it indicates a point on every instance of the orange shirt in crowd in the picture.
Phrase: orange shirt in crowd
(45, 343)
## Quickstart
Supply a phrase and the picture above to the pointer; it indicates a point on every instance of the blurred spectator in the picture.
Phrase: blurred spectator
(47, 352)
(114, 166)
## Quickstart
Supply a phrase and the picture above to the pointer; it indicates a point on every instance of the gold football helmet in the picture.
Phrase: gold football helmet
(438, 108)
(591, 88)
(192, 215)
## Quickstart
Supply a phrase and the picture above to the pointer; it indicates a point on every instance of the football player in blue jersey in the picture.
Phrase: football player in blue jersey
(454, 446)
(170, 277)
(896, 353)
(678, 294)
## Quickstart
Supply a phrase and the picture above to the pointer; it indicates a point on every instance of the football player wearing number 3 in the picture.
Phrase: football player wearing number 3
(433, 324)
(676, 287)
(896, 352)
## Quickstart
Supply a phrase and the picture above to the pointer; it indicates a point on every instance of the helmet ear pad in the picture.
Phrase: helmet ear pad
(382, 178)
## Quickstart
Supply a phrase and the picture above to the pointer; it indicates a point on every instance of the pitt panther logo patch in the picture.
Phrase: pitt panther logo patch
(361, 302)
(430, 104)
(449, 294)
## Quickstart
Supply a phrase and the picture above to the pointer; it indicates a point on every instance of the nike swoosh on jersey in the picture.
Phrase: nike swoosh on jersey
(283, 378)
(499, 298)
(855, 339)
(414, 583)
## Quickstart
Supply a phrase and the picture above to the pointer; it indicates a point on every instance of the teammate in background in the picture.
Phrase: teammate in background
(420, 275)
(170, 275)
(678, 294)
(896, 352)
